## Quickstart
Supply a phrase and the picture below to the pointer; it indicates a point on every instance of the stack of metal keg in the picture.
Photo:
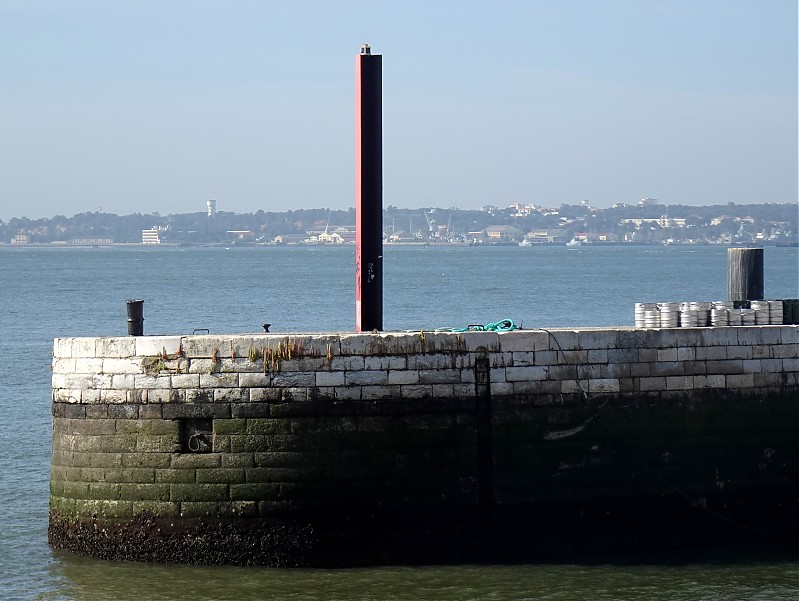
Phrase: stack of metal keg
(761, 311)
(776, 315)
(696, 313)
(689, 316)
(721, 314)
(669, 315)
(701, 314)
(646, 315)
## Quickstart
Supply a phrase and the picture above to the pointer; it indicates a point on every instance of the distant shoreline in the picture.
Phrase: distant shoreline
(67, 245)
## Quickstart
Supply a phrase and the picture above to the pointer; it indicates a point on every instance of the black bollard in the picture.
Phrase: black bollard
(744, 274)
(135, 317)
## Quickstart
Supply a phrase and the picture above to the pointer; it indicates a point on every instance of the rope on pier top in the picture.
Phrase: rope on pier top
(503, 325)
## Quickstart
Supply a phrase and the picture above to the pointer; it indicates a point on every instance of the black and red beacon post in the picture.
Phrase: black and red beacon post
(368, 191)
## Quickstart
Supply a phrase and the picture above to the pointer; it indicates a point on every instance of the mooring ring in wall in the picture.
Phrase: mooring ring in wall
(195, 442)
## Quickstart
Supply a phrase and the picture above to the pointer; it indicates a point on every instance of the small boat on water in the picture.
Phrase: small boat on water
(574, 243)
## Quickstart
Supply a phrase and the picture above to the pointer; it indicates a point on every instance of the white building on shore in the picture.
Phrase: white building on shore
(150, 237)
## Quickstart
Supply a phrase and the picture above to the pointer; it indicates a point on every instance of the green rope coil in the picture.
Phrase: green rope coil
(503, 325)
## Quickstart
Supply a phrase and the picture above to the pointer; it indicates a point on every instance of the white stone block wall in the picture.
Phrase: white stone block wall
(417, 365)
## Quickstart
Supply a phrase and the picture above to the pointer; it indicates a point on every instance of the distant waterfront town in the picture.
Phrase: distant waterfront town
(645, 222)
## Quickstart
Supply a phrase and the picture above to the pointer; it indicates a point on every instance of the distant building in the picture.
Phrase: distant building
(504, 233)
(662, 221)
(289, 239)
(340, 235)
(476, 237)
(150, 237)
(647, 202)
(21, 239)
(211, 204)
(91, 241)
(638, 222)
(552, 235)
(241, 234)
(401, 236)
(326, 238)
(521, 210)
(346, 233)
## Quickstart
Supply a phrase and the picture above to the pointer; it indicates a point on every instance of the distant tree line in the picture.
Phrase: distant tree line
(261, 226)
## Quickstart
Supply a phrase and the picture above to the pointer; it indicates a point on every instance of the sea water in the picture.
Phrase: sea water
(48, 292)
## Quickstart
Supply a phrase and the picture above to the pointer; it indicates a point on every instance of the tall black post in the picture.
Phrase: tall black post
(368, 191)
(135, 317)
(744, 274)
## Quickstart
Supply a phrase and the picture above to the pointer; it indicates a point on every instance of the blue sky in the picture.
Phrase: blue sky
(160, 105)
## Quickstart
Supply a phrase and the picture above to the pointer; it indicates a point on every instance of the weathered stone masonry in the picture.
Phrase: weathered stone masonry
(335, 449)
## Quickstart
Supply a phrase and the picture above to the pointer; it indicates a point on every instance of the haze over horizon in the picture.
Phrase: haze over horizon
(148, 106)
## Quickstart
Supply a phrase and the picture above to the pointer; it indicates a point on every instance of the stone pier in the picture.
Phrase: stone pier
(351, 449)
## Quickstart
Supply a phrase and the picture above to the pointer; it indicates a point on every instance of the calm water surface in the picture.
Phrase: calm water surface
(45, 293)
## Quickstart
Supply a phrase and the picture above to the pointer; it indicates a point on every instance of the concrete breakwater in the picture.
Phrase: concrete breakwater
(345, 449)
